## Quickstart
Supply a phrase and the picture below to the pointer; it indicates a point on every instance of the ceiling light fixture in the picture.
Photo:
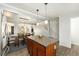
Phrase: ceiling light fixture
(46, 21)
(37, 11)
(37, 15)
(37, 24)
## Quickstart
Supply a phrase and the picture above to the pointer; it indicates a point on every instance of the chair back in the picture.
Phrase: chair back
(20, 35)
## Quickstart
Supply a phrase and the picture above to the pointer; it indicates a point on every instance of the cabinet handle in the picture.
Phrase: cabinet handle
(55, 47)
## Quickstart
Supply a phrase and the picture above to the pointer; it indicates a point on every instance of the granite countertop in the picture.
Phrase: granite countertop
(43, 40)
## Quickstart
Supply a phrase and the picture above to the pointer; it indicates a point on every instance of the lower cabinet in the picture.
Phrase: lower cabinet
(51, 50)
(36, 49)
(41, 53)
(29, 46)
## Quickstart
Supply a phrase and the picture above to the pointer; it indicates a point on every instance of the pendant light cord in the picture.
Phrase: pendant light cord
(46, 9)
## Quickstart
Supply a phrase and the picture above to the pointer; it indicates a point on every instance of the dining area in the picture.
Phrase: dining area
(16, 40)
(18, 32)
(16, 43)
(15, 32)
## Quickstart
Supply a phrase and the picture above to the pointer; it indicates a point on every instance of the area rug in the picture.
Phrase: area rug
(12, 48)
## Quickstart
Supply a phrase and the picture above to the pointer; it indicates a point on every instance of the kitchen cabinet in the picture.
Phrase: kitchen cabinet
(37, 49)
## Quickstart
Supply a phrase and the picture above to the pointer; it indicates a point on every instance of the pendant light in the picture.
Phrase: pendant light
(46, 21)
(37, 15)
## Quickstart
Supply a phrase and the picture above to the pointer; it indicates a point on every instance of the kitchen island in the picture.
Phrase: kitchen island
(41, 46)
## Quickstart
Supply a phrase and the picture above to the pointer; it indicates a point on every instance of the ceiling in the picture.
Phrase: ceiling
(53, 9)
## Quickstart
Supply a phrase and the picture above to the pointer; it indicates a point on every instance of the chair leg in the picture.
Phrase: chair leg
(16, 42)
(23, 42)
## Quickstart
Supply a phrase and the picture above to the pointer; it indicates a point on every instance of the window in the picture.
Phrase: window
(12, 29)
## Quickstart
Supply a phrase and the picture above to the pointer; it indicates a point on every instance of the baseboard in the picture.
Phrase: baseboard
(64, 44)
(75, 42)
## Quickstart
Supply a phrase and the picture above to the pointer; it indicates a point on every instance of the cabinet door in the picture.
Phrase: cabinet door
(30, 47)
(34, 48)
(35, 51)
(51, 50)
(30, 51)
(54, 49)
(41, 50)
(41, 53)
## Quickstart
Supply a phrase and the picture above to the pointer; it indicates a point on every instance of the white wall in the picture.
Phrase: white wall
(42, 29)
(64, 31)
(54, 28)
(75, 30)
(0, 32)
